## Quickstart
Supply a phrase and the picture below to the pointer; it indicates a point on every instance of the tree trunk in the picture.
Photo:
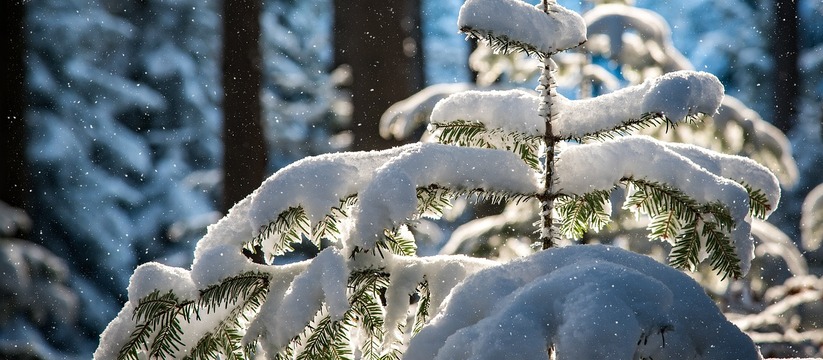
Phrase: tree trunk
(14, 181)
(244, 154)
(380, 40)
(785, 49)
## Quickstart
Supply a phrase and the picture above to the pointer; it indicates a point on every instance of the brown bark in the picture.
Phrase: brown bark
(14, 178)
(380, 40)
(244, 156)
(785, 49)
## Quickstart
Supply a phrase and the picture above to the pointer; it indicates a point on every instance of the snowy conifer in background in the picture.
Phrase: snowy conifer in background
(121, 119)
(366, 295)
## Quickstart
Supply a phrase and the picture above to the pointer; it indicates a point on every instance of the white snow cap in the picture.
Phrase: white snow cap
(441, 273)
(316, 184)
(674, 95)
(152, 276)
(738, 168)
(513, 111)
(590, 302)
(644, 158)
(323, 281)
(618, 23)
(391, 196)
(523, 23)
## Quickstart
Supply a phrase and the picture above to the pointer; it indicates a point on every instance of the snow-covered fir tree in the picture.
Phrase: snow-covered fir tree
(367, 296)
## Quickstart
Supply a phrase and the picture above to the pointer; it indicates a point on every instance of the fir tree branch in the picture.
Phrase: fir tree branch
(502, 44)
(475, 134)
(578, 214)
(665, 226)
(631, 126)
(758, 202)
(398, 244)
(249, 289)
(434, 199)
(422, 314)
(368, 289)
(292, 225)
(669, 208)
(328, 340)
(156, 314)
(242, 286)
(686, 249)
(721, 252)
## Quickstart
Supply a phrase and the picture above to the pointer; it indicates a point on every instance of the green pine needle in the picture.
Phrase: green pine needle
(397, 244)
(631, 126)
(158, 315)
(674, 215)
(328, 340)
(758, 202)
(578, 214)
(502, 44)
(686, 250)
(245, 294)
(721, 251)
(475, 134)
(664, 226)
(292, 226)
(422, 314)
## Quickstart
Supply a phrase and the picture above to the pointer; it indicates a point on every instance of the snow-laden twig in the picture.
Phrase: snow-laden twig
(672, 97)
(523, 26)
(391, 196)
(610, 162)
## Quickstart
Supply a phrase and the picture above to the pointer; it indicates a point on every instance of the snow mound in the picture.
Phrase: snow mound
(525, 25)
(589, 302)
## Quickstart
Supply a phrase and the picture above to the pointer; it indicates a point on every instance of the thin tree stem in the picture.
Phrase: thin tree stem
(548, 92)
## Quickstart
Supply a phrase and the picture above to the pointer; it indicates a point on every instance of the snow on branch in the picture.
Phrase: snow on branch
(669, 98)
(512, 111)
(644, 159)
(391, 197)
(440, 274)
(762, 185)
(315, 184)
(608, 304)
(293, 301)
(673, 97)
(516, 25)
(769, 146)
(401, 119)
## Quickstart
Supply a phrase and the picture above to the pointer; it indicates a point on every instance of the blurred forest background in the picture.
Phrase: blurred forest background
(132, 125)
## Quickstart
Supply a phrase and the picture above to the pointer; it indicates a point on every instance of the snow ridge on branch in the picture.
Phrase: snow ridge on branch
(672, 97)
(524, 27)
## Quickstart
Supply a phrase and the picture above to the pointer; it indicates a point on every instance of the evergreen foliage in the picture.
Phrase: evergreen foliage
(367, 293)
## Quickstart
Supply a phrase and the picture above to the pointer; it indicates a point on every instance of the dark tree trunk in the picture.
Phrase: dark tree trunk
(244, 151)
(785, 49)
(380, 40)
(14, 179)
